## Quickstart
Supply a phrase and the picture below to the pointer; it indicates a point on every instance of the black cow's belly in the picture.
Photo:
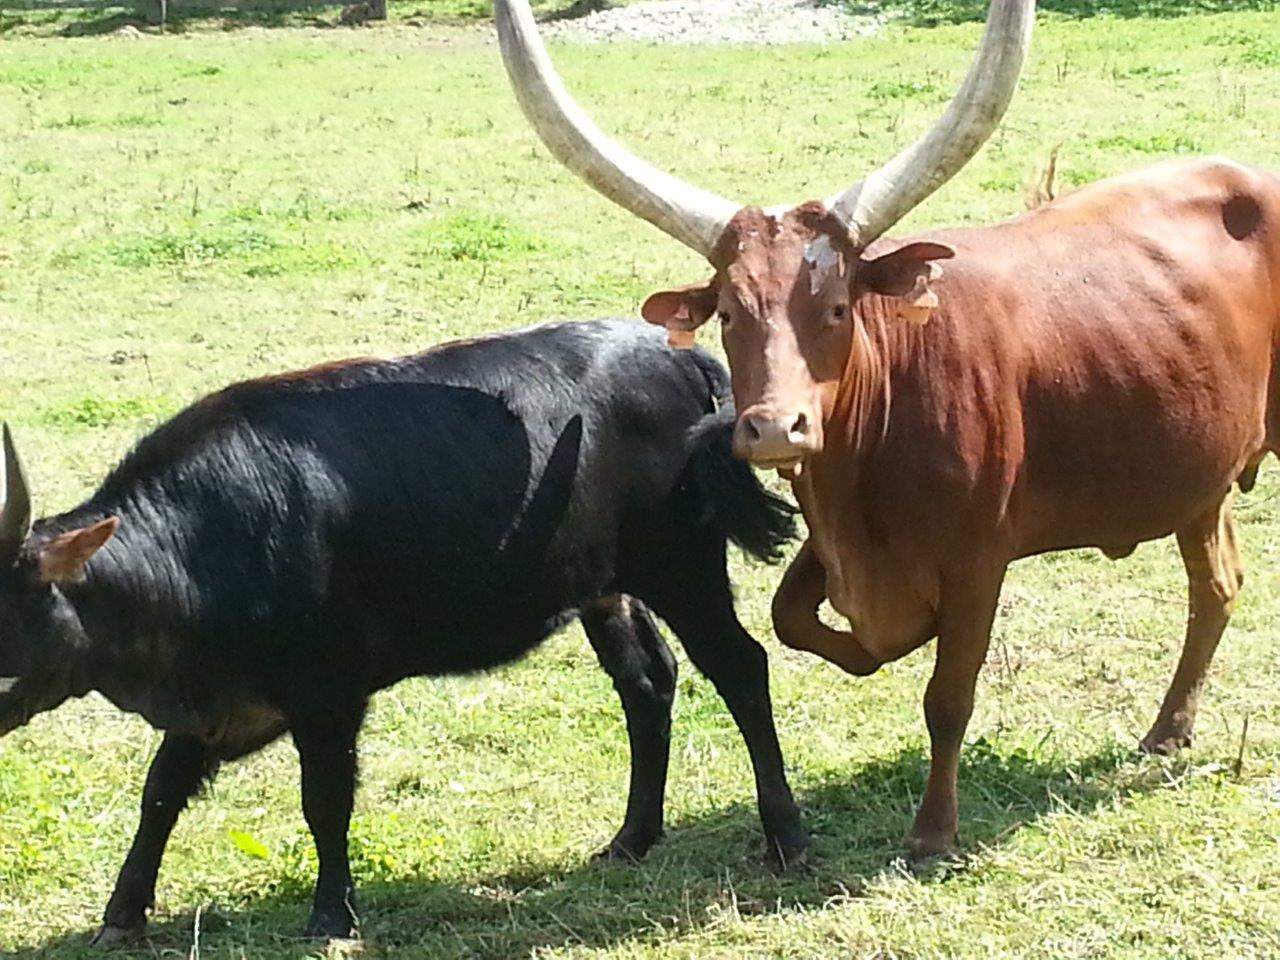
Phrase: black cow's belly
(467, 648)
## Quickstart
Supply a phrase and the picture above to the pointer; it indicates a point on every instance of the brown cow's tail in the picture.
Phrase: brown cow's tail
(730, 493)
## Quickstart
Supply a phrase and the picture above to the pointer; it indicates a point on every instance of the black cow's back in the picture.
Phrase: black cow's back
(451, 506)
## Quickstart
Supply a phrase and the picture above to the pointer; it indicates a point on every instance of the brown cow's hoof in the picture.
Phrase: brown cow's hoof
(924, 851)
(1164, 743)
(109, 936)
(935, 867)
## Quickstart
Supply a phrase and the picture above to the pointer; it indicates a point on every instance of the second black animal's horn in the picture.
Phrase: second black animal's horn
(15, 516)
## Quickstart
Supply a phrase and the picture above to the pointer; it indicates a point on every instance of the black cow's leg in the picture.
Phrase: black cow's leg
(180, 765)
(326, 742)
(696, 602)
(633, 653)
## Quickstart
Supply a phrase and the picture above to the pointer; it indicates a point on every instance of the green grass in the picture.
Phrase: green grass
(294, 196)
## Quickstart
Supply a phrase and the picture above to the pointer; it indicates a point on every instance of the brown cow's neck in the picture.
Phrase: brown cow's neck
(860, 414)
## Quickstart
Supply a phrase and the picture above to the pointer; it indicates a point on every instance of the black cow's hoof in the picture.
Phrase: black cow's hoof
(109, 936)
(789, 852)
(338, 925)
(628, 848)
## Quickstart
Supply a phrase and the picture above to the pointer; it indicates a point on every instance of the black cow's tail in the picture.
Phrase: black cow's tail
(730, 494)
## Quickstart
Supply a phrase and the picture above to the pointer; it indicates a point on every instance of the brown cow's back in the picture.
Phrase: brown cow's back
(1097, 375)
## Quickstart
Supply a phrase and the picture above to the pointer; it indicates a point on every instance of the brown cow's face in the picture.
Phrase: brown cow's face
(785, 293)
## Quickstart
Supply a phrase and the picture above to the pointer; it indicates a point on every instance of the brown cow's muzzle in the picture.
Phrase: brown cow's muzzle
(771, 437)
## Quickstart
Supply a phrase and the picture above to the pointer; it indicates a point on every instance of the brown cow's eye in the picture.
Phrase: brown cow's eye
(839, 311)
(723, 317)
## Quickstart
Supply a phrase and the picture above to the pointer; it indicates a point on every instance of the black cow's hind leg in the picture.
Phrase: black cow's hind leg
(326, 742)
(179, 767)
(633, 653)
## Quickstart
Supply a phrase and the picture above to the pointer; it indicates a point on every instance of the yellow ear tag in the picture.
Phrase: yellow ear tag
(681, 339)
(917, 305)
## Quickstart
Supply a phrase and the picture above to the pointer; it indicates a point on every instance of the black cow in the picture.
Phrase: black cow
(280, 550)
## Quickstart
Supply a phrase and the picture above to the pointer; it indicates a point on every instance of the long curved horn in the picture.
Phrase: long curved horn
(875, 204)
(15, 517)
(693, 216)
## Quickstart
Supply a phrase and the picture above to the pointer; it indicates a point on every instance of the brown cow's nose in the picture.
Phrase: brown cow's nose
(772, 438)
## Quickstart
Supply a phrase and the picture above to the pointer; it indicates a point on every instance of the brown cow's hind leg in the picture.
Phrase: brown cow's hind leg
(964, 632)
(795, 617)
(1214, 576)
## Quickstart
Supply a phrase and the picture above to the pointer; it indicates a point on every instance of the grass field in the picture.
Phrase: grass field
(178, 212)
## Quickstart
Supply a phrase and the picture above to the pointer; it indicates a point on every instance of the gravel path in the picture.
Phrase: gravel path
(716, 21)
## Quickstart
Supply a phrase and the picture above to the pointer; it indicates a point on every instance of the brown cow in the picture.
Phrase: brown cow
(1094, 373)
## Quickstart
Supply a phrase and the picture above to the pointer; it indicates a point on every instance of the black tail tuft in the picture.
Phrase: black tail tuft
(733, 497)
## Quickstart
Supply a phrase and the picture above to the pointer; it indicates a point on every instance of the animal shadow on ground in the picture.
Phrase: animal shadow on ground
(707, 866)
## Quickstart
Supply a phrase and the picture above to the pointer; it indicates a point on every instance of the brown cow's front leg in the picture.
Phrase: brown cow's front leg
(964, 632)
(1214, 575)
(795, 617)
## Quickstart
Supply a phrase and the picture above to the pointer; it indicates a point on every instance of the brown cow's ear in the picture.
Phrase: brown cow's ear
(63, 559)
(683, 310)
(904, 275)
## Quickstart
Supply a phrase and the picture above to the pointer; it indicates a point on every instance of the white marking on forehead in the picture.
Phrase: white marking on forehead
(822, 259)
(8, 683)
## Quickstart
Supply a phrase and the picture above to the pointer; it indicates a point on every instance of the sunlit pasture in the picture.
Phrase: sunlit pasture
(181, 211)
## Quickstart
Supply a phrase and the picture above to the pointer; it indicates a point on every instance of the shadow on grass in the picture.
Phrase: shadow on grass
(936, 12)
(576, 10)
(86, 18)
(708, 867)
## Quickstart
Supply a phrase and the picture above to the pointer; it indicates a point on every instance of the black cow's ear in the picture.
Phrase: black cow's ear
(63, 559)
(683, 310)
